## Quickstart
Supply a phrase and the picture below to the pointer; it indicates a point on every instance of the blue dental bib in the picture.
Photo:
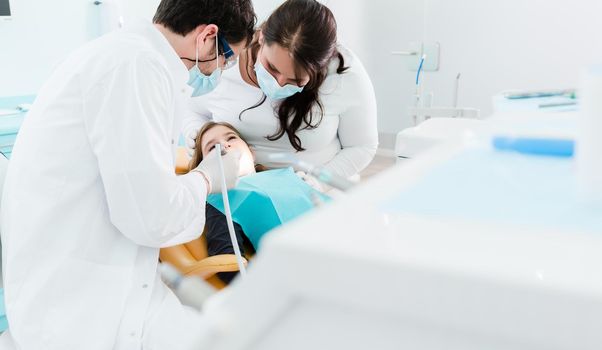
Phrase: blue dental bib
(263, 201)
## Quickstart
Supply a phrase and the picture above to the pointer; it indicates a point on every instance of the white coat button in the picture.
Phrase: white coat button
(133, 334)
(183, 91)
(173, 141)
(145, 285)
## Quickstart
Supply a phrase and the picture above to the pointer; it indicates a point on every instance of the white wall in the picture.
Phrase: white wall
(36, 39)
(495, 45)
(139, 8)
(373, 29)
(510, 44)
(42, 33)
(263, 8)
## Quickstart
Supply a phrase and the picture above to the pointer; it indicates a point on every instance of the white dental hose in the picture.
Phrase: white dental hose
(228, 213)
(324, 175)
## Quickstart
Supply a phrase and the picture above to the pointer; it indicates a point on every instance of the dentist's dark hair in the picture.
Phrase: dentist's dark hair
(308, 30)
(235, 18)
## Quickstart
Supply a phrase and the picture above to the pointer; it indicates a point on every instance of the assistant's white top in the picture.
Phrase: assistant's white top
(345, 141)
(91, 195)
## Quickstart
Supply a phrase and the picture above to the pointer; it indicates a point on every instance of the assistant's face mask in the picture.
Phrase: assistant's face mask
(269, 85)
(201, 83)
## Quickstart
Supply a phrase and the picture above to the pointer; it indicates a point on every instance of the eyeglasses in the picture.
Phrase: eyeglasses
(229, 59)
(223, 49)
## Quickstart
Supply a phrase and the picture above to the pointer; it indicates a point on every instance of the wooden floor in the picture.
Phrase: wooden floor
(379, 163)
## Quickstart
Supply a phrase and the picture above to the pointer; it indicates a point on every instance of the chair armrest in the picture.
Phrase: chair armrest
(182, 161)
(212, 265)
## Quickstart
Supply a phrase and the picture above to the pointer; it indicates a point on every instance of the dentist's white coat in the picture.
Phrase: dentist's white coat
(91, 195)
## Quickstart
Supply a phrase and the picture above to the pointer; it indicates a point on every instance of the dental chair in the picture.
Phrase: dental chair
(192, 259)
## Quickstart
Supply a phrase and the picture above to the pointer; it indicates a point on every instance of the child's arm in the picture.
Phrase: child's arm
(218, 238)
(217, 235)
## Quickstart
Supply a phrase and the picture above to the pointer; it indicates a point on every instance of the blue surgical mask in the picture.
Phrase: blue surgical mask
(269, 85)
(201, 83)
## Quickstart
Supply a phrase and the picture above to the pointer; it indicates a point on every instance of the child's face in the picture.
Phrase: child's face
(230, 142)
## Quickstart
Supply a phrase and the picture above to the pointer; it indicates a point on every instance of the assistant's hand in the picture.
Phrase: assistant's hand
(209, 167)
(312, 181)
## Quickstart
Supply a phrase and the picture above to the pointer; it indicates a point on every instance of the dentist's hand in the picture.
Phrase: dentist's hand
(190, 141)
(209, 168)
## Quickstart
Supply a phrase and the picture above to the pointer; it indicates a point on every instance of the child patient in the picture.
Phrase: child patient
(216, 228)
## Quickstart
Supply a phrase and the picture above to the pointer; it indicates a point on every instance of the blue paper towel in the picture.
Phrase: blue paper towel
(497, 187)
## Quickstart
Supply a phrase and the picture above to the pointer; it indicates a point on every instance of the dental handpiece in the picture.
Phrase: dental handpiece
(191, 290)
(318, 172)
(326, 176)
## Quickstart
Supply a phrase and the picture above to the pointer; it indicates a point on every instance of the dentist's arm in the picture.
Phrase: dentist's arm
(129, 120)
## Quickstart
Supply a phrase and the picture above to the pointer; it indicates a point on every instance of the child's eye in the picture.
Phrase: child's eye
(232, 138)
(211, 148)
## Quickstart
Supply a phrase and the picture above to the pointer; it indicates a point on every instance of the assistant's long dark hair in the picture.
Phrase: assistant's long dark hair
(308, 30)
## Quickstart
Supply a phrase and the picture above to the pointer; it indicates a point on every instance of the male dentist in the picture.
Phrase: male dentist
(91, 194)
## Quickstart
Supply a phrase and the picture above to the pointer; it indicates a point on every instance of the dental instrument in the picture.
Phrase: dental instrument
(456, 89)
(24, 107)
(539, 94)
(557, 104)
(5, 112)
(420, 69)
(191, 290)
(418, 93)
(318, 172)
(239, 259)
(21, 108)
